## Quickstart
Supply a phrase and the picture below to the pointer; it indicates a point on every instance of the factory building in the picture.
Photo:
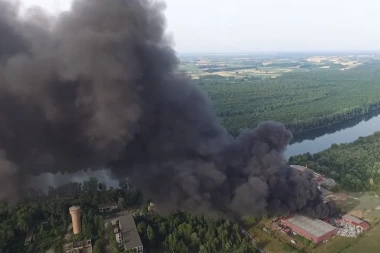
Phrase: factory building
(355, 221)
(126, 233)
(75, 218)
(108, 207)
(78, 247)
(312, 229)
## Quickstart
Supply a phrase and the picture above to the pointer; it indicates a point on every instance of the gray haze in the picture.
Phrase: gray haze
(97, 88)
(271, 25)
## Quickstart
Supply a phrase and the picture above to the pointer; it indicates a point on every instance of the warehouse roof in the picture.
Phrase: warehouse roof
(313, 226)
(131, 237)
(352, 219)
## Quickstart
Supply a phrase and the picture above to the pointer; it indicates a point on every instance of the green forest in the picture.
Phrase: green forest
(301, 100)
(183, 232)
(47, 215)
(355, 165)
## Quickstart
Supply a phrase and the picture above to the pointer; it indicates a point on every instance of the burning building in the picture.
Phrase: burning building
(312, 229)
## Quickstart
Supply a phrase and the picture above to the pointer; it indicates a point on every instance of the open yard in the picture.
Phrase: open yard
(365, 206)
(335, 245)
(368, 243)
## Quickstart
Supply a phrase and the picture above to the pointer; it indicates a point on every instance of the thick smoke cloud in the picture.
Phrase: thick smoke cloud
(97, 87)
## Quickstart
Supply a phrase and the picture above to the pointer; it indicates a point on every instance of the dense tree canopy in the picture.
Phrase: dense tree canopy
(49, 216)
(356, 165)
(183, 232)
(301, 100)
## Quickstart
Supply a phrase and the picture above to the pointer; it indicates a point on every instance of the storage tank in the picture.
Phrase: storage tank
(75, 218)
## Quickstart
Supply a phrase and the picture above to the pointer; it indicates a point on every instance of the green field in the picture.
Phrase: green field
(368, 243)
(335, 245)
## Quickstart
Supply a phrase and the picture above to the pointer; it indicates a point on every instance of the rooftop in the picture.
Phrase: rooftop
(81, 246)
(299, 167)
(106, 205)
(313, 226)
(74, 208)
(129, 232)
(352, 218)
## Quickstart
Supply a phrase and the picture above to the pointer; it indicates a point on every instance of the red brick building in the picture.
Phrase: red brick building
(355, 221)
(312, 229)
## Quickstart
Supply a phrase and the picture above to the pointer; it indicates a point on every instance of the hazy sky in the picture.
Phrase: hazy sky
(267, 25)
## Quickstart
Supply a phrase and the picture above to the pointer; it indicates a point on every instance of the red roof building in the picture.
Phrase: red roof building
(355, 221)
(312, 229)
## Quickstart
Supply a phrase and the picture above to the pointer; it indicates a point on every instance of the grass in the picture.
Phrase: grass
(368, 243)
(334, 245)
(368, 204)
(348, 204)
(267, 242)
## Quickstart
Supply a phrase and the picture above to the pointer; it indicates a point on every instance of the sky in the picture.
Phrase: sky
(221, 26)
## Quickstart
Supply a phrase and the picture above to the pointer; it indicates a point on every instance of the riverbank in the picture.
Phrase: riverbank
(355, 165)
(338, 118)
(321, 139)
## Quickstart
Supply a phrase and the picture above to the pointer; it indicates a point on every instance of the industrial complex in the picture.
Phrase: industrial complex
(317, 230)
(124, 228)
(123, 225)
(312, 229)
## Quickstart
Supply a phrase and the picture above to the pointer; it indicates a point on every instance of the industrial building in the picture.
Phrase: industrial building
(78, 247)
(75, 218)
(356, 222)
(126, 233)
(108, 207)
(321, 180)
(312, 229)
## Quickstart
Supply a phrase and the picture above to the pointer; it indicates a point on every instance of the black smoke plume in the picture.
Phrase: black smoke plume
(98, 86)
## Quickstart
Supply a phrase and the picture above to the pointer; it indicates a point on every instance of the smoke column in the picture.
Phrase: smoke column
(97, 87)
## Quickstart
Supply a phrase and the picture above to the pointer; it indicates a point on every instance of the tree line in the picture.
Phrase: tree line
(183, 232)
(47, 213)
(356, 165)
(303, 100)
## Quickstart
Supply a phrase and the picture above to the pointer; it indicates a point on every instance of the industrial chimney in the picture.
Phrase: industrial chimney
(75, 218)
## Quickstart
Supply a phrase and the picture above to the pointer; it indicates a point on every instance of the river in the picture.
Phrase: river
(323, 138)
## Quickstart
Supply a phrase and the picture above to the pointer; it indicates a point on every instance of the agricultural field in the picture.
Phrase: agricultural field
(241, 66)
